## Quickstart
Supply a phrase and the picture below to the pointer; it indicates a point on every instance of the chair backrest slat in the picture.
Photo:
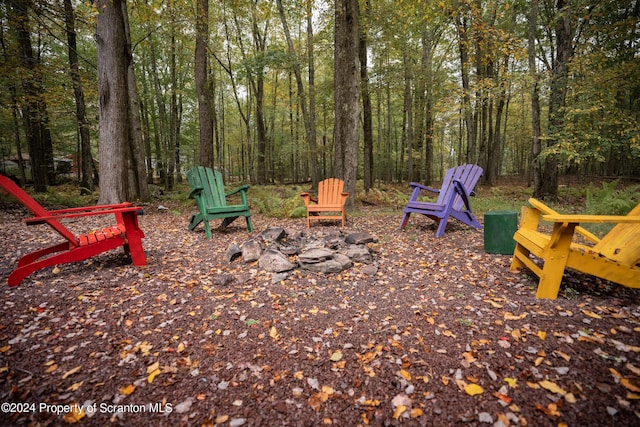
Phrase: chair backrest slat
(622, 243)
(330, 191)
(468, 175)
(211, 183)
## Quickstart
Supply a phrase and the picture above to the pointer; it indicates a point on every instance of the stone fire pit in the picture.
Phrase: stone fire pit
(279, 251)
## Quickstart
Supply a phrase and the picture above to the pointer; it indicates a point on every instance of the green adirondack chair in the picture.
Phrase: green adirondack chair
(207, 189)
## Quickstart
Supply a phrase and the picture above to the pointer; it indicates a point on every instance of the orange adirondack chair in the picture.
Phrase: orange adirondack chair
(615, 257)
(330, 202)
(125, 233)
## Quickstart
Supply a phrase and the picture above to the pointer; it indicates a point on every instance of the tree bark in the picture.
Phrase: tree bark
(346, 94)
(547, 184)
(85, 162)
(34, 110)
(535, 96)
(202, 85)
(113, 60)
(307, 114)
(137, 175)
(367, 119)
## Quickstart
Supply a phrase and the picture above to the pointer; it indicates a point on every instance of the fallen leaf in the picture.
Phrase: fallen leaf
(592, 314)
(552, 387)
(71, 372)
(75, 386)
(336, 356)
(273, 333)
(633, 368)
(629, 385)
(512, 382)
(153, 367)
(153, 375)
(74, 415)
(399, 411)
(405, 374)
(473, 389)
(127, 390)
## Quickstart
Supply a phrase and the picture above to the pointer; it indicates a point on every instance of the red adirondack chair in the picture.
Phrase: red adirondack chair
(453, 199)
(125, 233)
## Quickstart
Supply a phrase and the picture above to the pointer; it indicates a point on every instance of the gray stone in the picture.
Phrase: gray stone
(223, 279)
(344, 260)
(326, 266)
(251, 250)
(315, 255)
(233, 252)
(275, 261)
(369, 270)
(274, 234)
(359, 238)
(359, 253)
(279, 277)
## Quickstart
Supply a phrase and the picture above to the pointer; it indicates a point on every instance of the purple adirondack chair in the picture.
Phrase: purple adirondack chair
(453, 198)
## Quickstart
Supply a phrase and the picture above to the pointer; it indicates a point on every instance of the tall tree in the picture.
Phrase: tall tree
(535, 88)
(546, 181)
(346, 93)
(367, 119)
(308, 114)
(202, 84)
(86, 158)
(34, 108)
(113, 60)
(137, 174)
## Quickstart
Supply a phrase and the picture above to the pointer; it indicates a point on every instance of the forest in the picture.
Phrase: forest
(122, 94)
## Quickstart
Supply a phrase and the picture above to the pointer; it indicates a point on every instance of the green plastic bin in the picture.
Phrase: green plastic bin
(499, 227)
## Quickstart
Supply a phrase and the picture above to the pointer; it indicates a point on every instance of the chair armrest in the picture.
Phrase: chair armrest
(546, 210)
(195, 191)
(308, 198)
(577, 219)
(43, 219)
(424, 187)
(241, 188)
(90, 208)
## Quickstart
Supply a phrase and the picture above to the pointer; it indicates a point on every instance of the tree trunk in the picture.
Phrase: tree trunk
(307, 115)
(547, 185)
(535, 98)
(346, 94)
(137, 176)
(85, 163)
(113, 60)
(202, 85)
(469, 121)
(367, 119)
(34, 110)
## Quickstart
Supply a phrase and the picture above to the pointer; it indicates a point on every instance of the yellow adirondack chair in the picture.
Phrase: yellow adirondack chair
(330, 201)
(615, 257)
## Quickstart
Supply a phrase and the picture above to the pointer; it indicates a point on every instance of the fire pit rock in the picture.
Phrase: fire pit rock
(278, 250)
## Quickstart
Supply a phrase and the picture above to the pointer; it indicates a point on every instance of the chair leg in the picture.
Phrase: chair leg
(194, 221)
(73, 255)
(442, 224)
(519, 253)
(405, 219)
(207, 229)
(249, 224)
(555, 261)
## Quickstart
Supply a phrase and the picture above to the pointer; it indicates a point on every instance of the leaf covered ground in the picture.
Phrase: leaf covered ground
(443, 334)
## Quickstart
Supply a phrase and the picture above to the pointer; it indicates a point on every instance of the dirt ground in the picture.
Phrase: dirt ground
(443, 334)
